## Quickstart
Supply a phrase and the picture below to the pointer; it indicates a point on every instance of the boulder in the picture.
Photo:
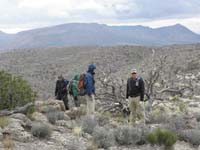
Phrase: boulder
(42, 106)
(16, 130)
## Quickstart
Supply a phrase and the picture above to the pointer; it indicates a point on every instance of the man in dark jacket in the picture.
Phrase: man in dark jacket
(61, 90)
(135, 94)
(89, 84)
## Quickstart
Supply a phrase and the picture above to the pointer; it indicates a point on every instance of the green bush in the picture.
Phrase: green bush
(152, 138)
(103, 137)
(30, 111)
(14, 91)
(162, 137)
(40, 130)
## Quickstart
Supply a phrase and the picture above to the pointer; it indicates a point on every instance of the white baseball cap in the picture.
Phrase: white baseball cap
(133, 70)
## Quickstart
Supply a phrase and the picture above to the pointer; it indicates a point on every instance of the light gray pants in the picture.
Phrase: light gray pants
(90, 100)
(136, 109)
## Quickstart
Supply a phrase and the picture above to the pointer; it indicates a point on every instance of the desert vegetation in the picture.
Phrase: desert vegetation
(172, 79)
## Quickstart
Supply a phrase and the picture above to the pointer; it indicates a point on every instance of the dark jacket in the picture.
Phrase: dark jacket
(135, 88)
(61, 89)
(89, 81)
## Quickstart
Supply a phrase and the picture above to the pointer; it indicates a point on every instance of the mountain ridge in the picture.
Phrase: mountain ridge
(94, 34)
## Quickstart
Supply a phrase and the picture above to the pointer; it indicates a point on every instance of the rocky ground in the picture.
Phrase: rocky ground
(65, 134)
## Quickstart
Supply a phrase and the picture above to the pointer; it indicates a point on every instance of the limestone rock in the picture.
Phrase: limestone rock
(41, 106)
(16, 130)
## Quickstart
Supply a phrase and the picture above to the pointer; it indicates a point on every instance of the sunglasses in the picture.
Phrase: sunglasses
(134, 73)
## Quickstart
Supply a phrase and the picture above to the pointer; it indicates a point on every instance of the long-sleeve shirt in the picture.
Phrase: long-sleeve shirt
(61, 89)
(135, 87)
(89, 84)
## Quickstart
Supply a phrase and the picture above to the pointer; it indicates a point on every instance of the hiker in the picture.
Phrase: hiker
(61, 90)
(89, 85)
(135, 94)
(73, 90)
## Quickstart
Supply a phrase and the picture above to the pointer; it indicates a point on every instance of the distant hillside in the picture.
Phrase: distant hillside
(82, 34)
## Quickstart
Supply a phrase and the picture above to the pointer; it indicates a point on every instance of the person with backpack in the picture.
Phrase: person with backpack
(61, 90)
(89, 87)
(73, 90)
(134, 94)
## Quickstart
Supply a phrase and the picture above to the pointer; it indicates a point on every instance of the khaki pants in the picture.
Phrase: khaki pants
(136, 109)
(90, 100)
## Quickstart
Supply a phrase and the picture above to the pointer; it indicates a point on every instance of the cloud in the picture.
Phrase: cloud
(157, 9)
(37, 13)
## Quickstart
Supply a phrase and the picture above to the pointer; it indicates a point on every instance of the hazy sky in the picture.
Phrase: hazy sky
(18, 15)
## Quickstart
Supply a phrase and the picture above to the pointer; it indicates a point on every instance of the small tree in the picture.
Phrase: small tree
(14, 91)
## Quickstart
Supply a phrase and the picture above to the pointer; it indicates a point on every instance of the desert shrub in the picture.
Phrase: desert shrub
(191, 135)
(77, 131)
(197, 116)
(182, 107)
(193, 65)
(91, 146)
(3, 122)
(60, 115)
(51, 116)
(125, 135)
(54, 116)
(174, 98)
(162, 137)
(145, 130)
(14, 91)
(88, 124)
(102, 120)
(40, 130)
(30, 111)
(8, 143)
(176, 123)
(152, 138)
(103, 137)
(75, 144)
(198, 125)
(158, 118)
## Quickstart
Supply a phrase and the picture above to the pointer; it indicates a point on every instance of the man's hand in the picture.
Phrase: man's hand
(126, 99)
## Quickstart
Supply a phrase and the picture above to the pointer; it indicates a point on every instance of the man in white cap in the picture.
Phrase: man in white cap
(135, 94)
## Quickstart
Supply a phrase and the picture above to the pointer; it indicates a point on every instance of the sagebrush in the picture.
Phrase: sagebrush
(103, 137)
(40, 130)
(126, 135)
(88, 124)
